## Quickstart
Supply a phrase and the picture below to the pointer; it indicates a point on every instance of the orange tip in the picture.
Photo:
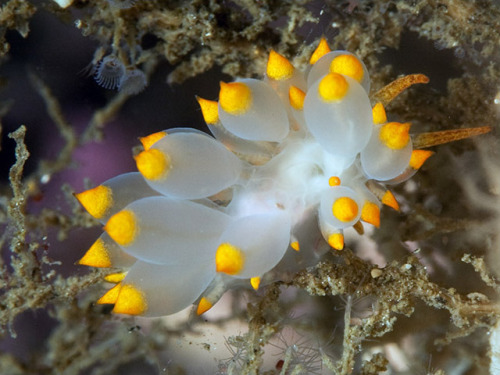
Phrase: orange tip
(96, 256)
(321, 50)
(209, 110)
(96, 201)
(379, 115)
(203, 306)
(336, 240)
(389, 200)
(296, 97)
(153, 164)
(151, 139)
(278, 67)
(229, 259)
(395, 135)
(122, 227)
(115, 278)
(419, 157)
(255, 282)
(110, 296)
(370, 213)
(130, 301)
(235, 97)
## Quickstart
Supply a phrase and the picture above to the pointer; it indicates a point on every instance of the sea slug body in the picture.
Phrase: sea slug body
(291, 151)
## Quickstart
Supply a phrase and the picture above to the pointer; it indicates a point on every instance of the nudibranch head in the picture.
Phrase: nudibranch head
(297, 159)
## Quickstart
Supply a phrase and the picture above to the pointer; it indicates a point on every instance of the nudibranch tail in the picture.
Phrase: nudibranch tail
(298, 159)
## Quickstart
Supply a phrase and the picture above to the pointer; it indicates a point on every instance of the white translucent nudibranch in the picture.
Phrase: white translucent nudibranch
(295, 150)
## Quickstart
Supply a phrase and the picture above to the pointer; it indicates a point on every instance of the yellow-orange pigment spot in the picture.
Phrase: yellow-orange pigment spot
(419, 157)
(209, 110)
(153, 164)
(229, 259)
(379, 115)
(333, 87)
(111, 296)
(130, 301)
(345, 209)
(151, 139)
(96, 256)
(235, 97)
(255, 282)
(115, 278)
(96, 201)
(203, 306)
(295, 245)
(336, 240)
(321, 50)
(370, 213)
(334, 181)
(296, 97)
(278, 67)
(395, 135)
(347, 65)
(389, 200)
(122, 227)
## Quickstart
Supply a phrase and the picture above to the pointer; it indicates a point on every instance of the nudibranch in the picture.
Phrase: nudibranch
(295, 159)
